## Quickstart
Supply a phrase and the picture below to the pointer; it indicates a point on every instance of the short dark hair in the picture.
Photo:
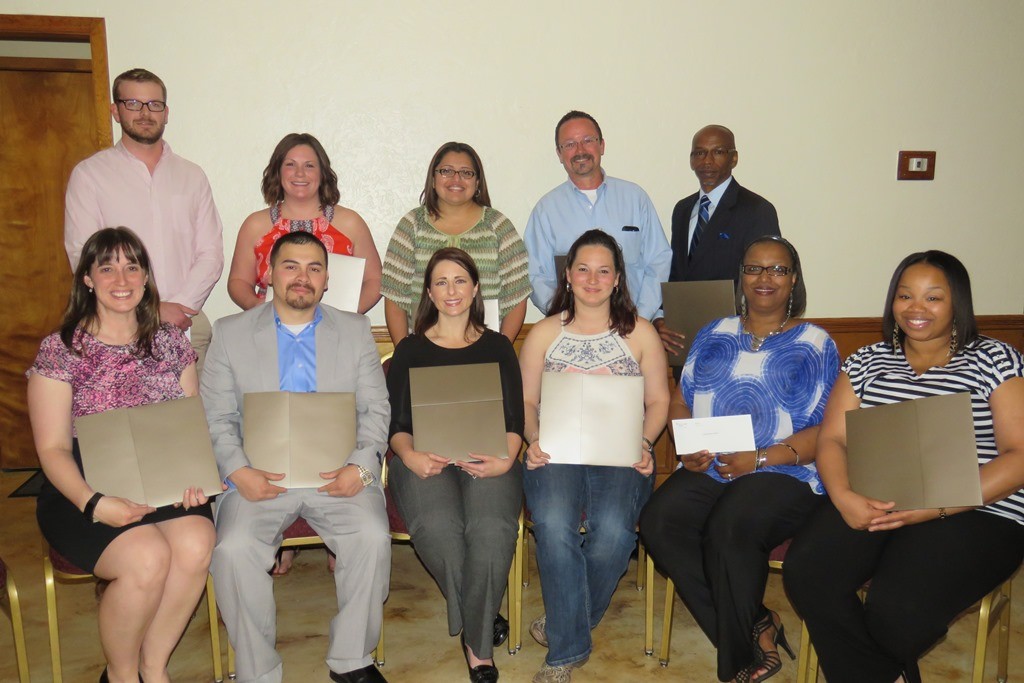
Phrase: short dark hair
(799, 292)
(102, 247)
(575, 114)
(299, 237)
(137, 76)
(959, 290)
(428, 197)
(272, 190)
(426, 313)
(623, 312)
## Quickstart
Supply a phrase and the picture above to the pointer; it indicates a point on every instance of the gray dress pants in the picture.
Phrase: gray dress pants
(248, 535)
(464, 530)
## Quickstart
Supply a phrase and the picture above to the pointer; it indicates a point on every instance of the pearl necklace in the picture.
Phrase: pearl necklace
(755, 341)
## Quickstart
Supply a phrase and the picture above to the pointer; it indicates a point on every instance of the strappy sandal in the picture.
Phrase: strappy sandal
(769, 660)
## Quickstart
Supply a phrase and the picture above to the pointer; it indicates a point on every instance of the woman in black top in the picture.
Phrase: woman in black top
(462, 516)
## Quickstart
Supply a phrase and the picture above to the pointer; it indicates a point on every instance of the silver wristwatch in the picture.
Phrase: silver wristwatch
(366, 476)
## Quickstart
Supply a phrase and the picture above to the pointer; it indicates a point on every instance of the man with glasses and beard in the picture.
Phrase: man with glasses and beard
(591, 199)
(166, 200)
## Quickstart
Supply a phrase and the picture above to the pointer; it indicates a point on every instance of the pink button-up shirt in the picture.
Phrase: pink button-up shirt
(171, 210)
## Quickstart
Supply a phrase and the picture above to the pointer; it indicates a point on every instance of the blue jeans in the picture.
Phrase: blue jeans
(579, 572)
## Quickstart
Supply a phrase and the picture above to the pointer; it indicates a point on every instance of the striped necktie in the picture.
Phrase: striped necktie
(702, 222)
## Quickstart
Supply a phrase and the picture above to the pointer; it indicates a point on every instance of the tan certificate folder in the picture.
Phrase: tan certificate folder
(690, 306)
(299, 434)
(344, 283)
(919, 453)
(591, 419)
(458, 410)
(149, 454)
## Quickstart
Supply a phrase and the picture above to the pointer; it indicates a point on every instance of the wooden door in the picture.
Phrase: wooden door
(48, 123)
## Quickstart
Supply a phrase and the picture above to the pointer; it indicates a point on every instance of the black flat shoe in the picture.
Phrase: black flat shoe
(485, 673)
(500, 631)
(368, 674)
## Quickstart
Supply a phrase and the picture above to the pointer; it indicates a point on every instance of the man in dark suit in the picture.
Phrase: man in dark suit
(709, 235)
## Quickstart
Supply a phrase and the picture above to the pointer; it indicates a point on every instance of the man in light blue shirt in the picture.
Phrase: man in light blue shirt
(590, 199)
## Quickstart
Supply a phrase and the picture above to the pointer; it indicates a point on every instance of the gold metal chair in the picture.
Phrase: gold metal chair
(995, 608)
(58, 568)
(17, 626)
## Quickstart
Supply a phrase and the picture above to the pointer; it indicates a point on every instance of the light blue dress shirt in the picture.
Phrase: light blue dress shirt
(296, 355)
(565, 213)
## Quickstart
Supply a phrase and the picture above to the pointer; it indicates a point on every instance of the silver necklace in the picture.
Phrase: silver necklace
(756, 341)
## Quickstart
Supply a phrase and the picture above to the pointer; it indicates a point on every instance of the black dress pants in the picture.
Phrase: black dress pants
(922, 576)
(714, 539)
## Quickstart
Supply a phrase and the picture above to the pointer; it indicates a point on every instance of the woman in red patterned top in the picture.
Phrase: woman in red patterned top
(302, 193)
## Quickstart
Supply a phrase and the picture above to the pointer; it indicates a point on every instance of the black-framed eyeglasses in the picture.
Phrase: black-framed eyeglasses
(717, 153)
(448, 172)
(774, 271)
(571, 145)
(155, 106)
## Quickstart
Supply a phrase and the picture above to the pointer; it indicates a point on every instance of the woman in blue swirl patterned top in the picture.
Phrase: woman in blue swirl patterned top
(925, 566)
(712, 524)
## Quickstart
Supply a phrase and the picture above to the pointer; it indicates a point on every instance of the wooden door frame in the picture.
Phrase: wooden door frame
(72, 30)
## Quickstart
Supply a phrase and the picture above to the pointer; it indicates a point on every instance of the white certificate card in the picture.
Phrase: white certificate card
(345, 281)
(591, 419)
(727, 434)
(492, 317)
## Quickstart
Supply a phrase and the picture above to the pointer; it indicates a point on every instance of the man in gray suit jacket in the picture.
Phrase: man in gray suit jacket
(292, 343)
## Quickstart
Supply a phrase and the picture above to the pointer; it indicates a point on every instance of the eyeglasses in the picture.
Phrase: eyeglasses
(774, 271)
(717, 153)
(571, 145)
(154, 106)
(448, 172)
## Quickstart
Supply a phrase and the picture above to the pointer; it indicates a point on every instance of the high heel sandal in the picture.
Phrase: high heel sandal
(769, 660)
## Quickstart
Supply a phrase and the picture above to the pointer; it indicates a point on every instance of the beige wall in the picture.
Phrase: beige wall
(821, 95)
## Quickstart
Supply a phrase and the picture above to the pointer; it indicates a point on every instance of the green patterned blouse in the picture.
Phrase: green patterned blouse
(493, 243)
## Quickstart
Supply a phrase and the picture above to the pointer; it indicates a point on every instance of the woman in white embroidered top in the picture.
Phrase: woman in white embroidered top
(594, 329)
(925, 566)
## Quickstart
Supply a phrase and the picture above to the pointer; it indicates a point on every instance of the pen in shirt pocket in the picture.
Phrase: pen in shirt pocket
(630, 228)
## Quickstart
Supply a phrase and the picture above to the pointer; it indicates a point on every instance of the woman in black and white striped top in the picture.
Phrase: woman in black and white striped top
(925, 566)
